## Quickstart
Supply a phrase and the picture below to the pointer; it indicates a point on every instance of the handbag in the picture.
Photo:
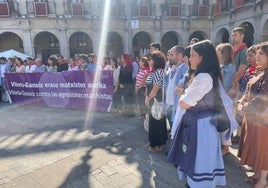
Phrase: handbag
(158, 109)
(220, 118)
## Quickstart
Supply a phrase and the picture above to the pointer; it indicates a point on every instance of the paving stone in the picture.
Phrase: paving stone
(52, 152)
(114, 163)
(96, 184)
(133, 179)
(111, 185)
(102, 178)
(79, 184)
(119, 179)
(97, 171)
(108, 170)
(4, 180)
(122, 170)
(88, 178)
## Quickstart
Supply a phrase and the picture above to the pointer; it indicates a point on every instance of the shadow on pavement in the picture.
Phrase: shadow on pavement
(109, 141)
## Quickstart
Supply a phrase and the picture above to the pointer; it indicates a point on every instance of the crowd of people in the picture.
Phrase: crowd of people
(196, 83)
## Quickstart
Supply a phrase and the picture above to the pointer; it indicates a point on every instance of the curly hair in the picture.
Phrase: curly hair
(159, 59)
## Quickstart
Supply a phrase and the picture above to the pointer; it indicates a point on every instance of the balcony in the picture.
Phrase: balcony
(217, 9)
(4, 10)
(77, 10)
(114, 11)
(226, 5)
(8, 9)
(144, 11)
(174, 11)
(203, 10)
(199, 10)
(242, 3)
(41, 9)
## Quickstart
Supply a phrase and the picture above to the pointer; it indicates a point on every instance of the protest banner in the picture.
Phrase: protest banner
(71, 89)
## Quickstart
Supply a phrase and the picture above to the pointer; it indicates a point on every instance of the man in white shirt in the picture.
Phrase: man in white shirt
(31, 66)
(4, 69)
(176, 72)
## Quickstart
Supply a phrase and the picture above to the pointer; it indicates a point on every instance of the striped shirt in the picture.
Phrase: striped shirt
(156, 77)
(141, 75)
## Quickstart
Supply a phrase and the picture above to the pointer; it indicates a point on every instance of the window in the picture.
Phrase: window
(77, 9)
(202, 10)
(53, 41)
(174, 10)
(40, 9)
(4, 9)
(217, 9)
(144, 11)
(82, 40)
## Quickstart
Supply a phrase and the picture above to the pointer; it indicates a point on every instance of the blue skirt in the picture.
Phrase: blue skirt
(208, 162)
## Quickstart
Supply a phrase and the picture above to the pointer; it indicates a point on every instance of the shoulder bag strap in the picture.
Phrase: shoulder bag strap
(163, 85)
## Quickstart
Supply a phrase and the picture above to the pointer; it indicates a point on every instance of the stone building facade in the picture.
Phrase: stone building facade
(41, 28)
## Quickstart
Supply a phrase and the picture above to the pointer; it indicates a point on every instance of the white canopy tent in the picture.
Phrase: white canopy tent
(13, 53)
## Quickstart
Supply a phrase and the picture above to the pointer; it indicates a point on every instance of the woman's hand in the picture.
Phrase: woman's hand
(184, 105)
(178, 89)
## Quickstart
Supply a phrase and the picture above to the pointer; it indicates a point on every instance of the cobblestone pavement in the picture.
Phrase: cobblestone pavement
(48, 147)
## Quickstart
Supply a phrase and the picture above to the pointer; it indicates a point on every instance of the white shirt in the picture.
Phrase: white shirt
(30, 69)
(200, 86)
(3, 69)
(170, 89)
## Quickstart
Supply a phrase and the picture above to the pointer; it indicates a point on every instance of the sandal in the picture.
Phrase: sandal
(244, 167)
(251, 179)
(155, 149)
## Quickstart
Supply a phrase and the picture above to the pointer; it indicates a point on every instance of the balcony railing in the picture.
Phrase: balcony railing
(199, 10)
(217, 9)
(41, 9)
(141, 10)
(144, 11)
(226, 5)
(4, 10)
(174, 11)
(77, 9)
(241, 3)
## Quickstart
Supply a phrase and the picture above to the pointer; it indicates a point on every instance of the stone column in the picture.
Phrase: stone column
(157, 31)
(28, 43)
(96, 35)
(63, 40)
(27, 37)
(129, 29)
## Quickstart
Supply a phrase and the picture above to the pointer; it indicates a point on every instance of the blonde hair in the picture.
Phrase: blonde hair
(227, 52)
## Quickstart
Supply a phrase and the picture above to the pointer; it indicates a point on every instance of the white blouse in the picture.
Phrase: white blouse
(200, 86)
